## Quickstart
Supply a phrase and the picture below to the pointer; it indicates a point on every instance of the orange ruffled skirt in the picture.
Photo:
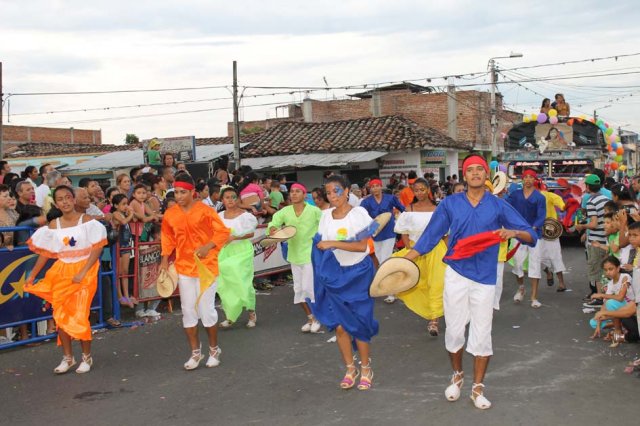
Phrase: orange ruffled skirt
(71, 301)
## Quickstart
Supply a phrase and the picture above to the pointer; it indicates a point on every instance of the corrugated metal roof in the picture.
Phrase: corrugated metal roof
(307, 160)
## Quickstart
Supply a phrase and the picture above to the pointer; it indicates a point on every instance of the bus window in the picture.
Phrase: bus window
(571, 168)
(517, 167)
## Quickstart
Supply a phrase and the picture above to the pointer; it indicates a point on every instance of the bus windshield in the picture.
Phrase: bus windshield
(571, 168)
(517, 167)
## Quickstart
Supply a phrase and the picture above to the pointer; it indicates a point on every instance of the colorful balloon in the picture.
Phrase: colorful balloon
(623, 168)
(614, 166)
(570, 122)
(620, 150)
(619, 158)
(553, 112)
(526, 119)
(553, 119)
(534, 116)
(609, 148)
(493, 164)
(542, 118)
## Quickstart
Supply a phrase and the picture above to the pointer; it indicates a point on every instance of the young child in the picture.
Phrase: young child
(276, 199)
(618, 294)
(122, 214)
(612, 229)
(153, 154)
(213, 200)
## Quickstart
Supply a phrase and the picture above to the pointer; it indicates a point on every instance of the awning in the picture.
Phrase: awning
(126, 159)
(309, 160)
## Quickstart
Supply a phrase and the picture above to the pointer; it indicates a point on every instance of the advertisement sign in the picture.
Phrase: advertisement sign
(557, 136)
(15, 304)
(149, 257)
(267, 260)
(182, 147)
(430, 159)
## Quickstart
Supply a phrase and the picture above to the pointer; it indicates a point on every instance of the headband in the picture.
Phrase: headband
(299, 186)
(531, 173)
(473, 161)
(183, 185)
(375, 182)
(225, 187)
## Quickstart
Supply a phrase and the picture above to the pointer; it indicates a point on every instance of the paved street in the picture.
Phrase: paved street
(545, 371)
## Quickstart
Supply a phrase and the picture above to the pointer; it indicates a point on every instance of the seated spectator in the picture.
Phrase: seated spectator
(29, 214)
(8, 217)
(213, 200)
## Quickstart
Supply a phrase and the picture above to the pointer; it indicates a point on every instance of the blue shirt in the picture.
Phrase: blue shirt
(460, 219)
(387, 204)
(532, 209)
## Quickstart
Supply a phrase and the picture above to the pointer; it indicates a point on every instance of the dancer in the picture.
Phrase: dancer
(305, 218)
(343, 272)
(191, 229)
(532, 205)
(76, 241)
(235, 261)
(375, 205)
(550, 250)
(425, 299)
(469, 283)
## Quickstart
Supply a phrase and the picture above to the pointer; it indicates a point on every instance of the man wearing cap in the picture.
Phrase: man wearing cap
(375, 205)
(531, 204)
(153, 154)
(469, 282)
(595, 227)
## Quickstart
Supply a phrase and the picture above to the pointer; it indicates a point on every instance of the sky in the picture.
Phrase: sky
(87, 46)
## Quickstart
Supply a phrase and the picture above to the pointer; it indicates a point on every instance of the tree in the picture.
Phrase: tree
(131, 139)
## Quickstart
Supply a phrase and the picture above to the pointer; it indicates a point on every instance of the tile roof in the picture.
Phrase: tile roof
(225, 140)
(41, 149)
(388, 133)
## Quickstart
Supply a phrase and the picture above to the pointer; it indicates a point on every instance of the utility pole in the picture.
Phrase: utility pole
(236, 124)
(1, 107)
(494, 119)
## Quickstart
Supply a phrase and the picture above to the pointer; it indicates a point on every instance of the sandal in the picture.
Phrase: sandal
(194, 360)
(616, 339)
(550, 281)
(432, 328)
(67, 362)
(561, 289)
(478, 398)
(349, 379)
(366, 379)
(125, 301)
(452, 393)
(112, 322)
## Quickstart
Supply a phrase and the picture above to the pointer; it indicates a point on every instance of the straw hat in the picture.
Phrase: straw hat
(282, 234)
(395, 275)
(167, 281)
(382, 219)
(153, 143)
(499, 182)
(551, 229)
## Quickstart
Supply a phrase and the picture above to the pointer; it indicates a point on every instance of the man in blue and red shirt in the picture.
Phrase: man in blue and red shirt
(469, 282)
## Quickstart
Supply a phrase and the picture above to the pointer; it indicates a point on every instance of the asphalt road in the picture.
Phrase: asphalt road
(545, 370)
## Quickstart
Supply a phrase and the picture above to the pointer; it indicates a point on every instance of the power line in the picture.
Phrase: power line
(104, 92)
(578, 61)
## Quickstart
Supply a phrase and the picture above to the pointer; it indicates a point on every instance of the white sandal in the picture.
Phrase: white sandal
(194, 361)
(478, 398)
(453, 390)
(85, 365)
(214, 356)
(65, 365)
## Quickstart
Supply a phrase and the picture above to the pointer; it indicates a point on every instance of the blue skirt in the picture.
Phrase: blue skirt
(342, 294)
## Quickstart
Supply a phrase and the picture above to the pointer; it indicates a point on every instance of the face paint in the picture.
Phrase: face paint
(339, 191)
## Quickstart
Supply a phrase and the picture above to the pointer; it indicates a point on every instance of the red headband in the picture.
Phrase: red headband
(375, 182)
(531, 173)
(183, 185)
(473, 161)
(299, 186)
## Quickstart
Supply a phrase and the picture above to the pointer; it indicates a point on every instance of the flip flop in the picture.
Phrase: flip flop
(561, 289)
(550, 281)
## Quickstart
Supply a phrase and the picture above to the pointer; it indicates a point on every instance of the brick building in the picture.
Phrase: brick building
(13, 136)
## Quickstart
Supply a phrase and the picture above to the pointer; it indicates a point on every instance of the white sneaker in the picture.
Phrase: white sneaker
(141, 313)
(65, 365)
(152, 313)
(519, 296)
(535, 304)
(389, 299)
(214, 357)
(85, 365)
(315, 326)
(306, 328)
(194, 361)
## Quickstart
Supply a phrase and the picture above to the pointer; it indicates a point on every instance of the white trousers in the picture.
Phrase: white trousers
(551, 254)
(302, 282)
(534, 260)
(384, 248)
(467, 302)
(499, 281)
(206, 312)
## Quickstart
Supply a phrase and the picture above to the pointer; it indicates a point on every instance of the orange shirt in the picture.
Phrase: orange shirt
(406, 196)
(185, 232)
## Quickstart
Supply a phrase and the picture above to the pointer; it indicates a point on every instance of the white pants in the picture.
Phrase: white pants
(384, 248)
(467, 302)
(551, 254)
(302, 282)
(206, 312)
(499, 280)
(534, 260)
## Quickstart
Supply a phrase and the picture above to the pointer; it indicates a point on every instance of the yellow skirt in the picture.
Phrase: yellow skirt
(71, 301)
(425, 299)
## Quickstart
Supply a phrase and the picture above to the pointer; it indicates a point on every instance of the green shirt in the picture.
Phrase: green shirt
(154, 157)
(306, 225)
(276, 198)
(614, 239)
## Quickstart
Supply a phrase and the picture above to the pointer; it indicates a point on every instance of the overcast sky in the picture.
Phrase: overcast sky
(71, 46)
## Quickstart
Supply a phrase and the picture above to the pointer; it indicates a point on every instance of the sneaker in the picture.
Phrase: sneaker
(315, 327)
(535, 304)
(519, 296)
(152, 313)
(389, 299)
(587, 298)
(65, 365)
(214, 357)
(306, 328)
(141, 313)
(85, 365)
(594, 303)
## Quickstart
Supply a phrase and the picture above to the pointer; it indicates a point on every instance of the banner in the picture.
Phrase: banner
(267, 260)
(15, 304)
(183, 148)
(432, 158)
(149, 257)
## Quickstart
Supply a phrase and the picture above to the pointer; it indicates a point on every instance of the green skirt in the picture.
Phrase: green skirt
(235, 279)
